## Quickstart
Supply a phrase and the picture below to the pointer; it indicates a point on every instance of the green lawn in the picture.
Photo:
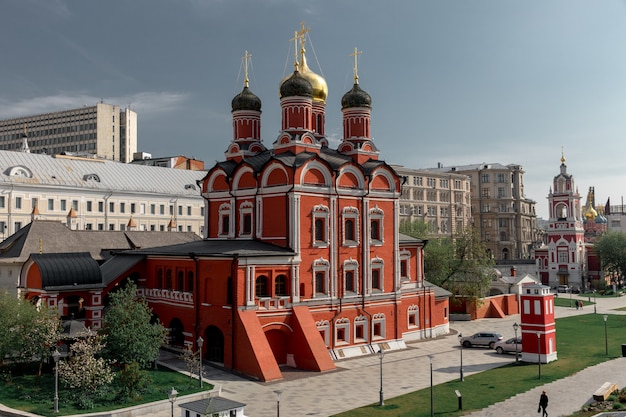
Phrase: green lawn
(36, 395)
(580, 343)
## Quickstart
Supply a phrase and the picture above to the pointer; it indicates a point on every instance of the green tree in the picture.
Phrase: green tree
(611, 249)
(84, 371)
(461, 265)
(27, 332)
(130, 335)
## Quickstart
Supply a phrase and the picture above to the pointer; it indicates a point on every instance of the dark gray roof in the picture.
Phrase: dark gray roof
(439, 292)
(67, 269)
(54, 237)
(216, 248)
(117, 265)
(332, 157)
(211, 405)
(406, 239)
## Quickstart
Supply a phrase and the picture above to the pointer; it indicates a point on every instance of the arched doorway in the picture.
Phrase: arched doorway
(278, 342)
(214, 344)
(177, 338)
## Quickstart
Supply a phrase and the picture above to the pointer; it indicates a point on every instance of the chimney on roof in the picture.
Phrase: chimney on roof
(513, 271)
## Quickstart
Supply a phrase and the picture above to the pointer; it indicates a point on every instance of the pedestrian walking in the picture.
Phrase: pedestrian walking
(581, 304)
(543, 404)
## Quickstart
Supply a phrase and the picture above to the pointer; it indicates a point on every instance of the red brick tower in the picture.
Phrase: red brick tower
(537, 322)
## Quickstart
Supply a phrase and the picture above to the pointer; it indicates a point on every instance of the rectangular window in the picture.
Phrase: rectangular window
(320, 282)
(111, 207)
(171, 210)
(500, 192)
(2, 202)
(50, 204)
(152, 208)
(18, 202)
(101, 206)
(376, 284)
(63, 205)
(180, 210)
(132, 208)
(161, 209)
(485, 178)
(225, 224)
(142, 208)
(100, 226)
(188, 210)
(320, 229)
(122, 207)
(563, 257)
(89, 206)
(247, 224)
(17, 226)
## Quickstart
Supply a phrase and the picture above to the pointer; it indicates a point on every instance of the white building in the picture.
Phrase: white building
(95, 194)
(105, 130)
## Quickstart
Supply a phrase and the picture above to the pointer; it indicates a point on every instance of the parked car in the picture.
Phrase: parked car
(562, 288)
(481, 339)
(509, 346)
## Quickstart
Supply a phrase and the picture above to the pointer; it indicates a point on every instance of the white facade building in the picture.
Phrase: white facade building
(94, 194)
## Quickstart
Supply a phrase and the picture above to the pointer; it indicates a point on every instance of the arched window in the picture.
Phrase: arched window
(180, 281)
(320, 279)
(190, 281)
(349, 229)
(350, 281)
(159, 283)
(261, 286)
(168, 279)
(280, 285)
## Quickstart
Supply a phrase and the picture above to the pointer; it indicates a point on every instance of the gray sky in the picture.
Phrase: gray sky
(456, 82)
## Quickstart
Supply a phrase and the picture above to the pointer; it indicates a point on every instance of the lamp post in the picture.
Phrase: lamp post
(594, 301)
(570, 296)
(432, 409)
(539, 353)
(171, 394)
(278, 393)
(461, 369)
(381, 355)
(56, 355)
(200, 342)
(515, 327)
(606, 336)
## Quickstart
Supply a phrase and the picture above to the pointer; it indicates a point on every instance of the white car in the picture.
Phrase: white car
(511, 345)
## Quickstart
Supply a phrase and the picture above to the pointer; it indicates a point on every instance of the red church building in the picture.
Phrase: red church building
(302, 263)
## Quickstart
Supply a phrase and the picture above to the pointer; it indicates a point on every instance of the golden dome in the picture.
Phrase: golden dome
(591, 213)
(320, 88)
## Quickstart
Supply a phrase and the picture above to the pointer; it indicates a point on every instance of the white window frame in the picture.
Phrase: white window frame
(321, 265)
(225, 211)
(360, 322)
(351, 213)
(320, 212)
(351, 266)
(378, 215)
(377, 264)
(245, 209)
(323, 326)
(342, 324)
(413, 312)
(378, 319)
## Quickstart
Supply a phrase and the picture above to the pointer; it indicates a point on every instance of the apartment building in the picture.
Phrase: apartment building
(96, 194)
(105, 130)
(440, 199)
(505, 217)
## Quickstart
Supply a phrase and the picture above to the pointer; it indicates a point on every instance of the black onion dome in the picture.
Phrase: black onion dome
(296, 86)
(246, 100)
(356, 98)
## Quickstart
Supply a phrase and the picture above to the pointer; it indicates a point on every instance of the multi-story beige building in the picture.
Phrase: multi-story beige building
(439, 199)
(104, 130)
(97, 194)
(505, 217)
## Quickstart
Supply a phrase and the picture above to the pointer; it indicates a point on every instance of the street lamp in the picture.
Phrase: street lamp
(570, 297)
(200, 342)
(432, 409)
(461, 369)
(381, 355)
(515, 327)
(606, 338)
(539, 353)
(171, 394)
(278, 393)
(594, 301)
(56, 355)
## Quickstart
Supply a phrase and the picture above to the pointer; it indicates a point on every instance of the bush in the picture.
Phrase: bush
(617, 406)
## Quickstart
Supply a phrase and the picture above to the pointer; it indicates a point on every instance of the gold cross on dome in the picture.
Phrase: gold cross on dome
(246, 59)
(356, 54)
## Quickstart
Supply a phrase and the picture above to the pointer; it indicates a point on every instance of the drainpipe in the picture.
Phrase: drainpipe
(233, 304)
